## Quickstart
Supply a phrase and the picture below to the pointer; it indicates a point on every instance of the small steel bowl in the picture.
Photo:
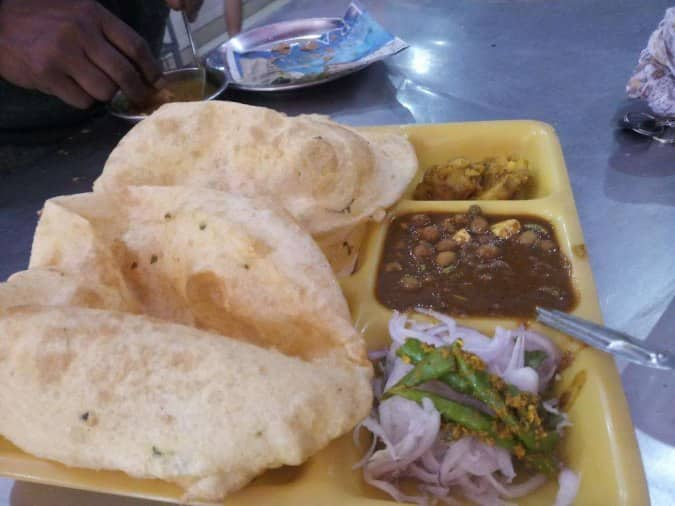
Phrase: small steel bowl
(216, 84)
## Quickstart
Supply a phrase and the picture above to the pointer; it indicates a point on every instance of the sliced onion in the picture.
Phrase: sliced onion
(551, 406)
(421, 474)
(399, 369)
(505, 464)
(399, 332)
(525, 379)
(436, 387)
(412, 429)
(520, 489)
(535, 341)
(451, 459)
(474, 341)
(440, 494)
(498, 353)
(378, 387)
(478, 489)
(517, 359)
(449, 323)
(374, 426)
(516, 374)
(568, 483)
(438, 330)
(369, 453)
(408, 433)
(393, 490)
(430, 462)
(376, 355)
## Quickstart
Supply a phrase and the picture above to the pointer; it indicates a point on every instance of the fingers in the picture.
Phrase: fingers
(118, 68)
(93, 81)
(69, 91)
(192, 9)
(131, 45)
(81, 55)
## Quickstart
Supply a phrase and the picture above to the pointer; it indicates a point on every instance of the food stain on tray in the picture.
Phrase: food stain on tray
(474, 264)
(579, 250)
(569, 396)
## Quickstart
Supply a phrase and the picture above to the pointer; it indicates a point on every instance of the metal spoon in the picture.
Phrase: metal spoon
(605, 339)
(650, 126)
(195, 58)
(647, 122)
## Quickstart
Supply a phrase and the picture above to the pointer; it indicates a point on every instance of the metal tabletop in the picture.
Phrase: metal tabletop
(564, 62)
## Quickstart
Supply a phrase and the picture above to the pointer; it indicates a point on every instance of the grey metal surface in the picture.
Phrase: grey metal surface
(560, 61)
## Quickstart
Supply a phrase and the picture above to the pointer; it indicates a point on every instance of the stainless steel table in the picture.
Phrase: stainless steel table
(560, 61)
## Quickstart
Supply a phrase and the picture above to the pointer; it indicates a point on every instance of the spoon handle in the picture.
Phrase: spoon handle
(195, 58)
(605, 339)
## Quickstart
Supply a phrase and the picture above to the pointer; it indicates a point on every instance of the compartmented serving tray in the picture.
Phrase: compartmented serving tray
(600, 446)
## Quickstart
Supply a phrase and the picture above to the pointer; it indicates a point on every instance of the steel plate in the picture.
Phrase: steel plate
(265, 37)
(216, 78)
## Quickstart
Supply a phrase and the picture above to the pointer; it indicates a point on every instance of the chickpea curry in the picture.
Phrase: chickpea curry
(471, 264)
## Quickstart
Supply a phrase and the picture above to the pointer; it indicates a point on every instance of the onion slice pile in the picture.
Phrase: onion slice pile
(407, 446)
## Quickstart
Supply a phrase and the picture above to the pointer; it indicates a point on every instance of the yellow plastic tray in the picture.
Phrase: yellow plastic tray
(600, 446)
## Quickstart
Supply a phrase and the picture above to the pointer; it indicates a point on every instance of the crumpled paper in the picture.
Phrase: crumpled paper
(360, 41)
(654, 77)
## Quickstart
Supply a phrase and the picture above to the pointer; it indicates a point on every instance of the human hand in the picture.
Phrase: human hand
(191, 7)
(73, 49)
(233, 17)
